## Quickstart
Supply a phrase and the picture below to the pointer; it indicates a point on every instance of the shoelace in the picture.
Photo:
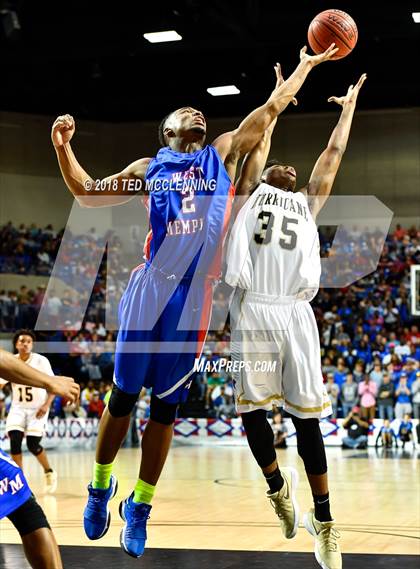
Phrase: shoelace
(96, 502)
(329, 536)
(279, 512)
(137, 522)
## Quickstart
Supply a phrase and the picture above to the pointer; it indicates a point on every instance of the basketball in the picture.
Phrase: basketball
(333, 26)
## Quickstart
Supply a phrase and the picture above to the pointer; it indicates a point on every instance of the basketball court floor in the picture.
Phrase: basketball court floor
(210, 511)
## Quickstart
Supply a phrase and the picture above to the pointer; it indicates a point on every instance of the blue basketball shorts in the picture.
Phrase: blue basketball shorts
(163, 325)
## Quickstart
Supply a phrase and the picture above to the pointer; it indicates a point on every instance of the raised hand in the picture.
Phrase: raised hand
(280, 80)
(316, 59)
(62, 130)
(352, 93)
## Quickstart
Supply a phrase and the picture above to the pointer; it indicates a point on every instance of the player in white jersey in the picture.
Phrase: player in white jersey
(28, 413)
(274, 261)
(17, 502)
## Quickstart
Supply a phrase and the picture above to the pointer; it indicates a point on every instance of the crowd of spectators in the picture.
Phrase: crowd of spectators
(32, 251)
(370, 342)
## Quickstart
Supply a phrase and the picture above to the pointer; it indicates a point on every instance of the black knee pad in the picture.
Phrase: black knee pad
(16, 438)
(162, 412)
(29, 517)
(260, 437)
(120, 403)
(33, 445)
(311, 447)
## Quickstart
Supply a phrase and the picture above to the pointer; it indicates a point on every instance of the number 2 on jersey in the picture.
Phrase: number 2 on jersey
(263, 236)
(187, 205)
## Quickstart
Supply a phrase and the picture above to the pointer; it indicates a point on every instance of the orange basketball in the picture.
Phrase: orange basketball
(333, 26)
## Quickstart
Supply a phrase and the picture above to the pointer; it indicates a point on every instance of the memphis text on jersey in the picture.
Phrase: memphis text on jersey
(286, 203)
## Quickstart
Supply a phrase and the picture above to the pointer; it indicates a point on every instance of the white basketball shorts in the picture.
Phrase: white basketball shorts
(283, 331)
(24, 419)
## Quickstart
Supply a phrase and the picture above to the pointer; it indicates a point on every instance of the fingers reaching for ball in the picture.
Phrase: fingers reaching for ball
(352, 93)
(361, 81)
(327, 55)
(280, 79)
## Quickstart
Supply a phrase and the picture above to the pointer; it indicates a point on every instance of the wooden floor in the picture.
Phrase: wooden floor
(213, 498)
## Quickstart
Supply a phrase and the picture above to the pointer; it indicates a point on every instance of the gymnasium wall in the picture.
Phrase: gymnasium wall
(383, 158)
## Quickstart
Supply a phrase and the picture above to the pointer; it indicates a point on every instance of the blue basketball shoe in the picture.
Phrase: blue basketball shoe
(97, 517)
(133, 535)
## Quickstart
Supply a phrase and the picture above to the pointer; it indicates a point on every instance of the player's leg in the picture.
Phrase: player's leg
(260, 438)
(39, 543)
(255, 338)
(311, 449)
(113, 428)
(16, 438)
(282, 484)
(318, 521)
(169, 376)
(15, 427)
(156, 440)
(307, 401)
(33, 443)
(131, 369)
(41, 549)
(155, 445)
(34, 431)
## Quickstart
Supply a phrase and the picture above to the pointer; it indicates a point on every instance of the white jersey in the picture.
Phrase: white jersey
(274, 246)
(27, 396)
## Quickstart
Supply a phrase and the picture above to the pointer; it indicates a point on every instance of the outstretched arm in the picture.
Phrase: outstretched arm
(12, 369)
(232, 145)
(115, 189)
(254, 162)
(326, 167)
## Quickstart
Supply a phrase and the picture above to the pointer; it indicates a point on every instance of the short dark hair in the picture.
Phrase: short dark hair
(22, 332)
(161, 128)
(272, 162)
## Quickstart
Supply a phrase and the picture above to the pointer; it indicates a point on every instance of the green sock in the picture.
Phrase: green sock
(102, 475)
(143, 492)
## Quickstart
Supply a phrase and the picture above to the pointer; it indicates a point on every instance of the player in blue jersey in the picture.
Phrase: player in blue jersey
(16, 499)
(165, 310)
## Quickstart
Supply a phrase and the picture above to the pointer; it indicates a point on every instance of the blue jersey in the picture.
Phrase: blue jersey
(165, 311)
(14, 490)
(190, 198)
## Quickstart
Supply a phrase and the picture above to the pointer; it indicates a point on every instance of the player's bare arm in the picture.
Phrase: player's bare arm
(326, 167)
(16, 371)
(254, 162)
(233, 145)
(115, 188)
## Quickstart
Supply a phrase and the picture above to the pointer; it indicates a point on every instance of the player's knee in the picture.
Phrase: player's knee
(29, 517)
(120, 403)
(16, 438)
(311, 446)
(162, 412)
(33, 444)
